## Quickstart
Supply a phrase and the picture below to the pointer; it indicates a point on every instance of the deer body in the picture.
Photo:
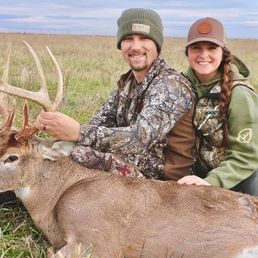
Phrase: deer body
(127, 217)
(120, 216)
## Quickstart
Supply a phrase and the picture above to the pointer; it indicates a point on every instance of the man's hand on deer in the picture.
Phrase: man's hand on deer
(59, 125)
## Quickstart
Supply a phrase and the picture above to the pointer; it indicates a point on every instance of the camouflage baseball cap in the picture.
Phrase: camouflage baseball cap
(207, 29)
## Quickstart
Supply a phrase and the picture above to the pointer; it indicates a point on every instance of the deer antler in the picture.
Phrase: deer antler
(4, 105)
(41, 97)
(5, 110)
(27, 130)
(6, 128)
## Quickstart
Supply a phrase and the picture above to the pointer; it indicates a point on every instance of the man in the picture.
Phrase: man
(145, 127)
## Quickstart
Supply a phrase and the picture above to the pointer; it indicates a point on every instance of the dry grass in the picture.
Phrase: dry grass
(91, 66)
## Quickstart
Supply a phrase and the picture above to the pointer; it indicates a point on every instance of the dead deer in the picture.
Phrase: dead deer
(121, 216)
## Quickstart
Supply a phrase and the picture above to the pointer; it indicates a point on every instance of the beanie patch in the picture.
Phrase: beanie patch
(137, 27)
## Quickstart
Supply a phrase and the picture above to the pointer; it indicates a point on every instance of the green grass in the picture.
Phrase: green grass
(91, 67)
(18, 235)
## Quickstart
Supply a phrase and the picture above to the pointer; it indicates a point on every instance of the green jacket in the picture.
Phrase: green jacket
(240, 159)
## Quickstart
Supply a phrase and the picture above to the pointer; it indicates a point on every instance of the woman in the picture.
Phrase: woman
(226, 118)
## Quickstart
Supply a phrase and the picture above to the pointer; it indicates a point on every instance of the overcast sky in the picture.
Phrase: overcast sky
(98, 17)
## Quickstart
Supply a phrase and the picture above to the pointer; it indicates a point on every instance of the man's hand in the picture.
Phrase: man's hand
(192, 180)
(59, 125)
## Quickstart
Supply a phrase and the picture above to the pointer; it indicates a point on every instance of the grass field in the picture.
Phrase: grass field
(91, 67)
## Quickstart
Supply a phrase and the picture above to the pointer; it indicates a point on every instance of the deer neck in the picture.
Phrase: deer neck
(53, 178)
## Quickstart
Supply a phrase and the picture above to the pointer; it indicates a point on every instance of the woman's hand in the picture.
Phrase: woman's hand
(192, 180)
(59, 125)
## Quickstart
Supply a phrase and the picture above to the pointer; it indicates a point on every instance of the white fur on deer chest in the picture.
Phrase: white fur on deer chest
(23, 192)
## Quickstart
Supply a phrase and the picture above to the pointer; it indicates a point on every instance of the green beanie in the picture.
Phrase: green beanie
(140, 21)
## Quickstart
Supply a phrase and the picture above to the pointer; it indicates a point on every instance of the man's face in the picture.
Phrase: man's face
(139, 52)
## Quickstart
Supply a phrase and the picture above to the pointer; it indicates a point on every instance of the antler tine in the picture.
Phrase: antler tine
(4, 104)
(43, 91)
(60, 83)
(27, 130)
(25, 120)
(41, 97)
(6, 67)
(6, 127)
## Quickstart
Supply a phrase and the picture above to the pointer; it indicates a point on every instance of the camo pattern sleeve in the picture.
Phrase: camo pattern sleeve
(163, 106)
(106, 116)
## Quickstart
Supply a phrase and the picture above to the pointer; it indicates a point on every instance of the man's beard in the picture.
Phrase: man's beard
(138, 68)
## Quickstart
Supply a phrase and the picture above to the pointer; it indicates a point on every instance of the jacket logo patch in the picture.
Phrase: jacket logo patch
(245, 135)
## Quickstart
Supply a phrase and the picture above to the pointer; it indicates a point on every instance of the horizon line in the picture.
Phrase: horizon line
(98, 35)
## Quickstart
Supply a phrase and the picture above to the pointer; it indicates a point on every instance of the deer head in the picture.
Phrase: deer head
(14, 143)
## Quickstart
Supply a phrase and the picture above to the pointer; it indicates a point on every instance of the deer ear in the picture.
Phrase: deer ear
(58, 150)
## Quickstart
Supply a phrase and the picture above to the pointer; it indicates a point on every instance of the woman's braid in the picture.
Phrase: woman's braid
(226, 89)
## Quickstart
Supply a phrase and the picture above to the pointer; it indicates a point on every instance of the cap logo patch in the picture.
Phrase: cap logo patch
(137, 27)
(204, 27)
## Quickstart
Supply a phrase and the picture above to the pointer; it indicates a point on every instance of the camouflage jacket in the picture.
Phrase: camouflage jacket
(135, 120)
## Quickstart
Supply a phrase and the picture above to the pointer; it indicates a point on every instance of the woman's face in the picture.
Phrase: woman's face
(205, 57)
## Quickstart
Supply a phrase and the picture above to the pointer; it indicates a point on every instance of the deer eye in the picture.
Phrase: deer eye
(10, 159)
